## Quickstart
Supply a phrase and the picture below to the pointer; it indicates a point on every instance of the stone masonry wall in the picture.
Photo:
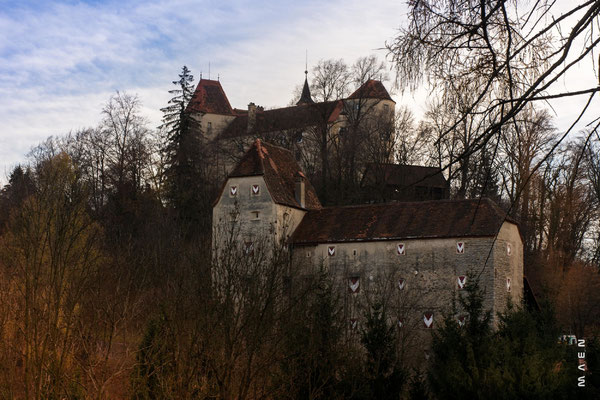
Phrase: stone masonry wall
(422, 282)
(238, 212)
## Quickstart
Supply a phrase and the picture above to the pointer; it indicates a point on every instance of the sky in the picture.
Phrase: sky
(60, 61)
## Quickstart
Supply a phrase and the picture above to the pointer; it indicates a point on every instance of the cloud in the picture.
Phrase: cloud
(61, 60)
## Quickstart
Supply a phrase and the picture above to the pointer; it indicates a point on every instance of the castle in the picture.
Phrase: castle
(308, 129)
(423, 251)
(417, 254)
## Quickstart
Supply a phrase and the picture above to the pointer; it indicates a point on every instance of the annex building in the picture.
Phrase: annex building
(405, 242)
(415, 255)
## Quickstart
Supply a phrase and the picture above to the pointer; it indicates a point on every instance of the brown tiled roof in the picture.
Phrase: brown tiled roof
(426, 219)
(281, 119)
(371, 89)
(209, 97)
(403, 175)
(279, 169)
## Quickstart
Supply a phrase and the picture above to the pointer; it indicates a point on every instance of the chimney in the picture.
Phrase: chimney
(300, 191)
(251, 116)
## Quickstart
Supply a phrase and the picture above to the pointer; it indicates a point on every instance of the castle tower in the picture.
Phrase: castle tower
(210, 107)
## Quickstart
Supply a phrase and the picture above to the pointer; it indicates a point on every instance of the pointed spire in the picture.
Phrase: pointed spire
(305, 98)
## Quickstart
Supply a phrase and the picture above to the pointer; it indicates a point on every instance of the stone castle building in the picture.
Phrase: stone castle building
(407, 244)
(309, 129)
(417, 255)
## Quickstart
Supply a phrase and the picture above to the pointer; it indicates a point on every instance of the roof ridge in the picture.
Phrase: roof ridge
(396, 203)
(402, 165)
(268, 144)
(314, 105)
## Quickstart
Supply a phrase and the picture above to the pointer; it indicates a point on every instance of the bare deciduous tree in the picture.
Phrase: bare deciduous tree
(515, 52)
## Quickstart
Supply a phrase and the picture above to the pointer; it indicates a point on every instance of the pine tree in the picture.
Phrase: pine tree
(20, 186)
(175, 120)
(461, 355)
(385, 376)
(183, 154)
(519, 360)
(311, 349)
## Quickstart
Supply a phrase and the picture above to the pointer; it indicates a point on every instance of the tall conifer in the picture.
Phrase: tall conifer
(183, 153)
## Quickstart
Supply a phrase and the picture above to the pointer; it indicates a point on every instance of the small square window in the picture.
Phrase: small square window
(255, 215)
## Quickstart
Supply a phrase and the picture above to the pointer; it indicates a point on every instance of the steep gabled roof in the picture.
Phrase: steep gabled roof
(209, 97)
(279, 169)
(371, 89)
(403, 175)
(282, 119)
(426, 219)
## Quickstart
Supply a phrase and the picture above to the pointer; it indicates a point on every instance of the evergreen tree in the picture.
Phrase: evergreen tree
(311, 349)
(529, 361)
(384, 376)
(484, 176)
(461, 354)
(183, 154)
(418, 387)
(152, 377)
(20, 186)
(522, 359)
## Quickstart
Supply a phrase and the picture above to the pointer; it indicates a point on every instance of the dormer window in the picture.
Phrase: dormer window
(233, 191)
(209, 127)
(254, 190)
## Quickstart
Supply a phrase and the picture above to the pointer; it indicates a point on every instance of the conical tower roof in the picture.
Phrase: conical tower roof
(305, 98)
